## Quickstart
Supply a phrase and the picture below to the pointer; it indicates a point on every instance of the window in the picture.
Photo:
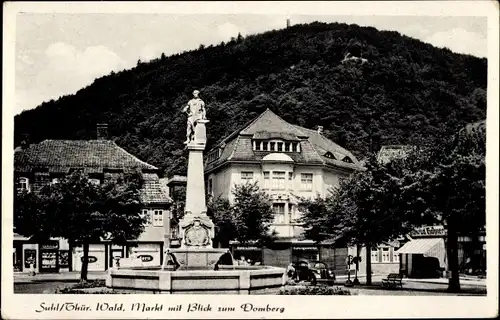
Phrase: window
(210, 186)
(271, 146)
(278, 180)
(280, 146)
(257, 145)
(291, 213)
(23, 184)
(264, 146)
(246, 176)
(294, 147)
(145, 214)
(287, 146)
(395, 256)
(279, 212)
(158, 218)
(266, 180)
(306, 180)
(385, 255)
(375, 255)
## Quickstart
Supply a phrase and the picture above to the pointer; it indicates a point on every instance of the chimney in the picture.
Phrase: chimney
(102, 131)
(320, 129)
(25, 142)
(288, 23)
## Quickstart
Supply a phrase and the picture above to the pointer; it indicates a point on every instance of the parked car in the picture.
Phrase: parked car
(312, 271)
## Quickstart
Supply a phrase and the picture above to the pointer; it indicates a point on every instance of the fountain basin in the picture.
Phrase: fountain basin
(226, 280)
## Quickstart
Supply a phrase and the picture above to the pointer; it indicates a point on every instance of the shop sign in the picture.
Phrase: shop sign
(91, 259)
(146, 258)
(248, 248)
(429, 231)
(48, 246)
(305, 248)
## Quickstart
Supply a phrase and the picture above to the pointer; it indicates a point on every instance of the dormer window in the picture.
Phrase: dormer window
(330, 155)
(280, 146)
(276, 146)
(214, 154)
(23, 184)
(347, 160)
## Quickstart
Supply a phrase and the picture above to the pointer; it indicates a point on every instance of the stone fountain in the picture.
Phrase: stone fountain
(194, 267)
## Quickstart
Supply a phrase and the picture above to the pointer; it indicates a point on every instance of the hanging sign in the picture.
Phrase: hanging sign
(429, 231)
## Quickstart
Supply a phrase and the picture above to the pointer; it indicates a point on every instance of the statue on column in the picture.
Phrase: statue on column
(195, 110)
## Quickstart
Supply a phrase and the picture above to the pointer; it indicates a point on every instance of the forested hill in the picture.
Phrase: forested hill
(407, 92)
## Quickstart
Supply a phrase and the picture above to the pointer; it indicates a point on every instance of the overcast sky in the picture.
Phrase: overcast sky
(57, 54)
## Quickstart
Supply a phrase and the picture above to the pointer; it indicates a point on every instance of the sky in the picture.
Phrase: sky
(59, 53)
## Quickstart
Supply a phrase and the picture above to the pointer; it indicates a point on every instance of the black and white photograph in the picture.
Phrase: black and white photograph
(248, 152)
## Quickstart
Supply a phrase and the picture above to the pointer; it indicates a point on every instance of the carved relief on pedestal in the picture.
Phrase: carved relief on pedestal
(197, 231)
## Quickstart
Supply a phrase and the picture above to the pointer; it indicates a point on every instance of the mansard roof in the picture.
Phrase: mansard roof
(314, 147)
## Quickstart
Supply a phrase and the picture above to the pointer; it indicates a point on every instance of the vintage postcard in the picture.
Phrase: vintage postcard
(250, 160)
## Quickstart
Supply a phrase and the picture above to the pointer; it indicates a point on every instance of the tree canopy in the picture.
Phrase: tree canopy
(408, 92)
(82, 212)
(443, 184)
(247, 218)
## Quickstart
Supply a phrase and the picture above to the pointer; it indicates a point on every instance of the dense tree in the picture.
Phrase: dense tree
(440, 184)
(82, 212)
(450, 181)
(247, 218)
(408, 92)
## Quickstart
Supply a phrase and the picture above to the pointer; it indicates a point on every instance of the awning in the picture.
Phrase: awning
(430, 247)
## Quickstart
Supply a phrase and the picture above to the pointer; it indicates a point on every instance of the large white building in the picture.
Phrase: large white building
(288, 162)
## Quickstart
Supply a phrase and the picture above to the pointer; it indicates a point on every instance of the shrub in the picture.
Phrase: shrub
(90, 284)
(316, 290)
(83, 291)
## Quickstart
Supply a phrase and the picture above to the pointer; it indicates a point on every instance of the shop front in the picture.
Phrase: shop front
(96, 258)
(304, 251)
(424, 256)
(49, 256)
(149, 253)
(252, 254)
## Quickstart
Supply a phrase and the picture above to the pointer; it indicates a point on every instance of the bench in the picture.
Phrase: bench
(393, 280)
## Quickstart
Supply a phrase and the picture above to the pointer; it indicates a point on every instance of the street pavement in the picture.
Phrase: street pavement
(47, 283)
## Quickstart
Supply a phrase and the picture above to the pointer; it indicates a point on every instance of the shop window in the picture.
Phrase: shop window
(246, 176)
(266, 180)
(279, 212)
(386, 255)
(306, 181)
(158, 218)
(23, 184)
(63, 258)
(278, 180)
(374, 255)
